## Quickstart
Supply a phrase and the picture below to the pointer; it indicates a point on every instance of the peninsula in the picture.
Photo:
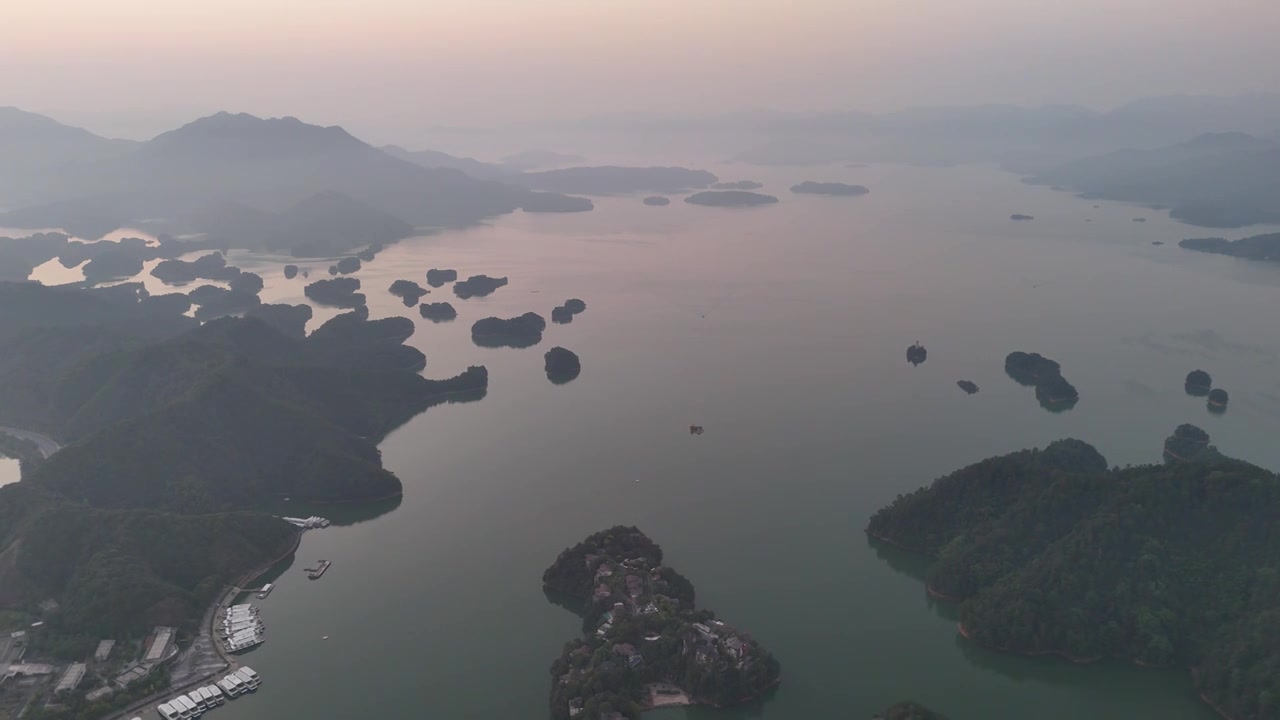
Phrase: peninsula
(1257, 247)
(1052, 552)
(644, 643)
(179, 430)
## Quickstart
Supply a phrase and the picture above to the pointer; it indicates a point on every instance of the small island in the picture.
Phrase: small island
(657, 201)
(1020, 216)
(336, 292)
(437, 312)
(348, 265)
(290, 272)
(477, 286)
(564, 313)
(408, 291)
(561, 365)
(644, 643)
(738, 185)
(968, 386)
(916, 354)
(834, 189)
(437, 278)
(1198, 383)
(1218, 400)
(1030, 368)
(730, 198)
(517, 332)
(1052, 389)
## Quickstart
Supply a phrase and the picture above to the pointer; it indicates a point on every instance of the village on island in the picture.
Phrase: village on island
(644, 643)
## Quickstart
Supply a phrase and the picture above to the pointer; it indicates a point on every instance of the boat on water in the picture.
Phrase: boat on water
(315, 572)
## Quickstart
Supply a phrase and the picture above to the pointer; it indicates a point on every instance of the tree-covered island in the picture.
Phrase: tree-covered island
(644, 643)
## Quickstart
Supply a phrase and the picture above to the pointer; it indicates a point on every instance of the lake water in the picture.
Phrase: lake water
(781, 330)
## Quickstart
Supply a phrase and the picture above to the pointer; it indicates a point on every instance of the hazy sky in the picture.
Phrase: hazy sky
(387, 67)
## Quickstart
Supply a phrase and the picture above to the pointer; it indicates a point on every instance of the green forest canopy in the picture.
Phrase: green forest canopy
(1049, 552)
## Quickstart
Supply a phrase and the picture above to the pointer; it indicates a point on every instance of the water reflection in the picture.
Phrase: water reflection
(913, 565)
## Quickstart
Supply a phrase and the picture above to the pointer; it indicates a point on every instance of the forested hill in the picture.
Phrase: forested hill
(1049, 552)
(173, 433)
(234, 413)
(119, 572)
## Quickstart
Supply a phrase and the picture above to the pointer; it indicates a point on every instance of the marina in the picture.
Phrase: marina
(202, 699)
(320, 569)
(241, 628)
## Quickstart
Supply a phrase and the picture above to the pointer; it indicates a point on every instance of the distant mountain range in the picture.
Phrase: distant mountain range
(436, 159)
(91, 186)
(33, 146)
(1025, 140)
(1220, 180)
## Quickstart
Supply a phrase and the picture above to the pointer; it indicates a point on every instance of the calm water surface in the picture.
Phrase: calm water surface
(782, 330)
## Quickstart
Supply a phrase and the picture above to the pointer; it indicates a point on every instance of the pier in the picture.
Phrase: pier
(315, 572)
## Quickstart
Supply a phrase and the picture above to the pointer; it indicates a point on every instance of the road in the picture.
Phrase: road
(46, 444)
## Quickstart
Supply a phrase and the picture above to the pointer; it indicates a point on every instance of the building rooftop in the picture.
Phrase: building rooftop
(71, 678)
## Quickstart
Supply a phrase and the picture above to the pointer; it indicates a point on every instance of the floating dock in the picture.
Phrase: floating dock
(241, 628)
(315, 572)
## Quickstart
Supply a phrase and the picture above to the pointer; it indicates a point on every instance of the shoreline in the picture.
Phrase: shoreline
(894, 543)
(228, 593)
(695, 702)
(380, 498)
(964, 632)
